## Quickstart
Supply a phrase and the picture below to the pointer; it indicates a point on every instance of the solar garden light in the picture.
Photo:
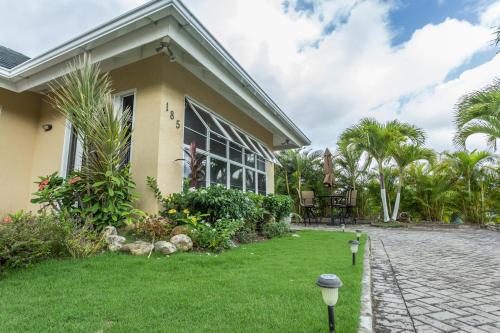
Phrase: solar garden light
(354, 244)
(330, 284)
(358, 234)
(343, 227)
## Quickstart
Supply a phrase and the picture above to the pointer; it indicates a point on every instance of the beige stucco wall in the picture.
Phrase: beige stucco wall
(19, 115)
(27, 151)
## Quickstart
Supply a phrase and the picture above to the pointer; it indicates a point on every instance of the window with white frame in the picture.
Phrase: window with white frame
(230, 157)
(74, 152)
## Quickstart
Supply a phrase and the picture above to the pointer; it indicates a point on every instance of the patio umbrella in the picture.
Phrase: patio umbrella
(328, 168)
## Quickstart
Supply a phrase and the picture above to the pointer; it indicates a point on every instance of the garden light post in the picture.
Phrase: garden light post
(354, 244)
(358, 234)
(330, 284)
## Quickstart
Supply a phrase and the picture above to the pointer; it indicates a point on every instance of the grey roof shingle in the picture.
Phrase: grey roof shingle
(10, 58)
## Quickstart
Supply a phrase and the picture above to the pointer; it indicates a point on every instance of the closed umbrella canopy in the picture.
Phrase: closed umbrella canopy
(328, 169)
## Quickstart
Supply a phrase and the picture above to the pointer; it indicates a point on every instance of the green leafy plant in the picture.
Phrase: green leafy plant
(154, 227)
(84, 98)
(84, 242)
(275, 229)
(26, 239)
(279, 206)
(105, 202)
(217, 237)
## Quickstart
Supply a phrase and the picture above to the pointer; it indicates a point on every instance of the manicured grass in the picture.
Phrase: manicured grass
(262, 287)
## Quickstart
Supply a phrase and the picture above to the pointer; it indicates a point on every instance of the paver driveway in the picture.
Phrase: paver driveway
(435, 281)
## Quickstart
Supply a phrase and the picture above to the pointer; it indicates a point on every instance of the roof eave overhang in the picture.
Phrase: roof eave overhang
(146, 24)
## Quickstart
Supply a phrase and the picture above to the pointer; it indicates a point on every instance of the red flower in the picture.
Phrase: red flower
(43, 184)
(74, 180)
(7, 219)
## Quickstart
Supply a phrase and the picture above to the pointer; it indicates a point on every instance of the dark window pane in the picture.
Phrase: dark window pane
(73, 141)
(229, 131)
(128, 104)
(191, 136)
(209, 121)
(235, 153)
(245, 139)
(218, 145)
(218, 172)
(261, 183)
(250, 180)
(201, 173)
(249, 158)
(259, 148)
(193, 122)
(236, 177)
(261, 164)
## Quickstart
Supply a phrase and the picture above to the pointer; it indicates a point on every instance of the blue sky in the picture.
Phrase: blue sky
(327, 63)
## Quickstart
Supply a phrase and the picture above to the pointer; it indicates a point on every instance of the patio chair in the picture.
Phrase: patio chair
(308, 203)
(347, 205)
(351, 204)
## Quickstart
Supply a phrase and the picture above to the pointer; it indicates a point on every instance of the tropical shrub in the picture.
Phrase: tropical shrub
(278, 206)
(154, 227)
(105, 202)
(83, 242)
(275, 229)
(246, 234)
(217, 237)
(26, 239)
(105, 190)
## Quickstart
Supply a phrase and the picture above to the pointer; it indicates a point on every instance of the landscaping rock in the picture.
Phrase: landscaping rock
(138, 248)
(115, 242)
(109, 230)
(180, 230)
(182, 242)
(165, 247)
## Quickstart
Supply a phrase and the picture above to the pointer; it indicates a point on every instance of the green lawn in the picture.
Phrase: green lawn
(263, 287)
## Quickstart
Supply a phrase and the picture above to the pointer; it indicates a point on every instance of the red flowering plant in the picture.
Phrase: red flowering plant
(60, 194)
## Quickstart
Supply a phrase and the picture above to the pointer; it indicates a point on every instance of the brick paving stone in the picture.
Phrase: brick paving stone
(446, 281)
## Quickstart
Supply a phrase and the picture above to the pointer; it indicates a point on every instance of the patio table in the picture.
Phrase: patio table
(334, 200)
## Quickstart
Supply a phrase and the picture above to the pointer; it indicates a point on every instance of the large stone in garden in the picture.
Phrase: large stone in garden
(109, 230)
(138, 248)
(165, 247)
(182, 242)
(180, 229)
(115, 242)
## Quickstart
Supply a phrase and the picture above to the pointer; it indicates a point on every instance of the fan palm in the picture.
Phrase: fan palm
(479, 113)
(377, 139)
(404, 155)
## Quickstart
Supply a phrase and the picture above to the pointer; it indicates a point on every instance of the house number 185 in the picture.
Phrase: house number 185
(172, 117)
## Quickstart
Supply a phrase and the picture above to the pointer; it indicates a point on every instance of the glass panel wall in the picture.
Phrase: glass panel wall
(229, 157)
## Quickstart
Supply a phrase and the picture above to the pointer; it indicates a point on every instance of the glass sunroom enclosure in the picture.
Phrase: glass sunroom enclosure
(231, 157)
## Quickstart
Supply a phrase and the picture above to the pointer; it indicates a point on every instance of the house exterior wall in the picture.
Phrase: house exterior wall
(157, 140)
(19, 118)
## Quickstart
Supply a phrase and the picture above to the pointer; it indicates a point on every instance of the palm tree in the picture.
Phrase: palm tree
(404, 155)
(479, 113)
(467, 168)
(377, 139)
(351, 162)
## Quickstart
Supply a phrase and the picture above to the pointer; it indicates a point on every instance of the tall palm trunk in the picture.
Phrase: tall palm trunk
(398, 196)
(383, 194)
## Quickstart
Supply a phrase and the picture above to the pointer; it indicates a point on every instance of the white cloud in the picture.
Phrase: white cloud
(491, 16)
(355, 72)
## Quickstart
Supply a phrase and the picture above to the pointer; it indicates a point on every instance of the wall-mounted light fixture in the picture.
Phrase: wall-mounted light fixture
(165, 48)
(47, 127)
